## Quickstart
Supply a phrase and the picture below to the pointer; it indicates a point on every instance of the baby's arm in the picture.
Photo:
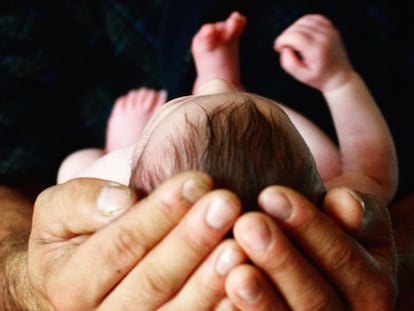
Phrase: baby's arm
(311, 50)
(323, 149)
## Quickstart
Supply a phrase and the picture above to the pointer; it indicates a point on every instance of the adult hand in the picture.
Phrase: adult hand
(309, 261)
(402, 215)
(92, 247)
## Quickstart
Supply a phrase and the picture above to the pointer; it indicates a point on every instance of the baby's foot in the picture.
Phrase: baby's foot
(129, 116)
(215, 49)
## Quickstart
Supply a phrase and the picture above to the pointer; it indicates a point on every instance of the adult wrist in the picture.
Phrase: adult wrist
(16, 291)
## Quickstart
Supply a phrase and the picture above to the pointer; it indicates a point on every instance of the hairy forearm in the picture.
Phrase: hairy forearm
(15, 223)
(402, 215)
(16, 293)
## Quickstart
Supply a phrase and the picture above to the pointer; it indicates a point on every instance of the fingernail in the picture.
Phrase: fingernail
(276, 204)
(113, 198)
(358, 198)
(251, 293)
(257, 235)
(193, 189)
(220, 213)
(227, 260)
(361, 205)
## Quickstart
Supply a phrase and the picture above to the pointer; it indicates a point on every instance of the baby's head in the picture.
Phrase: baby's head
(244, 141)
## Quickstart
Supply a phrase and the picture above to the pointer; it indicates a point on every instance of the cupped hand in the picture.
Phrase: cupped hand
(94, 247)
(304, 258)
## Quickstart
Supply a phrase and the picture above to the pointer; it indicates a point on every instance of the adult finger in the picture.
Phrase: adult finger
(361, 273)
(79, 206)
(109, 254)
(64, 215)
(205, 288)
(249, 289)
(295, 277)
(123, 243)
(158, 277)
(360, 214)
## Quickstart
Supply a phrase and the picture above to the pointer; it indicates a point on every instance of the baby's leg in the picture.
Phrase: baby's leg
(129, 116)
(76, 162)
(215, 49)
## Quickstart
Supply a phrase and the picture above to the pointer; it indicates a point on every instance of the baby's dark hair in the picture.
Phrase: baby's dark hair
(243, 150)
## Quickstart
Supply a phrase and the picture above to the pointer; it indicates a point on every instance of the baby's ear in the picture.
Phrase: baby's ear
(215, 86)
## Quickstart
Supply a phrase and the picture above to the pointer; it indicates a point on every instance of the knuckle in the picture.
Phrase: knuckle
(43, 200)
(213, 286)
(155, 284)
(127, 244)
(197, 242)
(318, 302)
(339, 258)
(284, 261)
(169, 205)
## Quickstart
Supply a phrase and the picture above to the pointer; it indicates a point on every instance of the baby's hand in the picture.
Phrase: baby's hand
(311, 50)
